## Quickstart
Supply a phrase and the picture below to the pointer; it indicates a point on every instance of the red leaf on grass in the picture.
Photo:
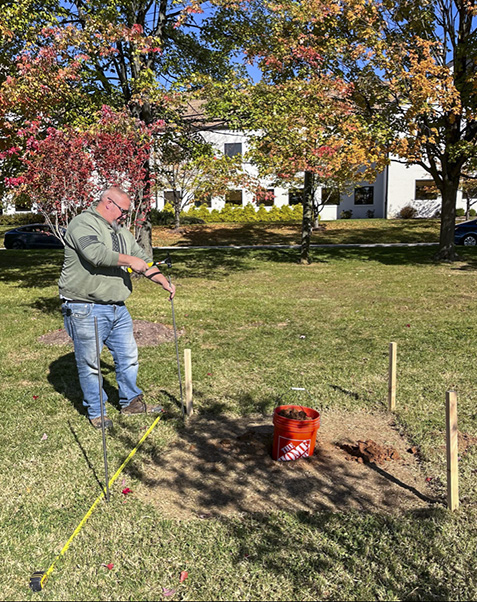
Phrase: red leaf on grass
(110, 566)
(428, 479)
(126, 490)
(35, 396)
(183, 577)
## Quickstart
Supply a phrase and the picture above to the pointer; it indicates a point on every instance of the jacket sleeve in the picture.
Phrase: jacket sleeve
(86, 240)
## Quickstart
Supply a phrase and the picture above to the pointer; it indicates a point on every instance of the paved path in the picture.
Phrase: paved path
(330, 246)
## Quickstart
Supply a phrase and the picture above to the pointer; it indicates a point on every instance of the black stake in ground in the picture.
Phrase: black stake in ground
(100, 382)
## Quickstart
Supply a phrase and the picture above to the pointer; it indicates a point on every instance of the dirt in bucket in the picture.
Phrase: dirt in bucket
(222, 465)
(294, 414)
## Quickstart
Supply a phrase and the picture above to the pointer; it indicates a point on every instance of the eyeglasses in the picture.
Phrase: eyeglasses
(124, 212)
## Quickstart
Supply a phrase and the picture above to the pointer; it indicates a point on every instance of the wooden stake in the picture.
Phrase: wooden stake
(452, 451)
(188, 382)
(392, 377)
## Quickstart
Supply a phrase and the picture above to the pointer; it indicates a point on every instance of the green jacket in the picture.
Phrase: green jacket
(90, 269)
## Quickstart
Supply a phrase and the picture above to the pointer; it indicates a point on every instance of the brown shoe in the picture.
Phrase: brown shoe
(136, 406)
(96, 422)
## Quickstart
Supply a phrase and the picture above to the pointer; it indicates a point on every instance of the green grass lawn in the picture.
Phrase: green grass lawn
(257, 323)
(352, 231)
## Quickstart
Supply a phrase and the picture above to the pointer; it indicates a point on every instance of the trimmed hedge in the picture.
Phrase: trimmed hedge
(247, 214)
(21, 219)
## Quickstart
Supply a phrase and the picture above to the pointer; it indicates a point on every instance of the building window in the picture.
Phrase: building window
(426, 190)
(330, 196)
(364, 195)
(295, 196)
(265, 197)
(234, 197)
(207, 201)
(172, 196)
(233, 149)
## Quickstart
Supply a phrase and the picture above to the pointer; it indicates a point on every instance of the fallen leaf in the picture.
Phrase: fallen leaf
(183, 577)
(126, 491)
(45, 437)
(35, 396)
(408, 325)
(110, 566)
(428, 479)
(168, 592)
(209, 373)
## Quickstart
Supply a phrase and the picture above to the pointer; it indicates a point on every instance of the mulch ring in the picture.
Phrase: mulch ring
(222, 465)
(147, 334)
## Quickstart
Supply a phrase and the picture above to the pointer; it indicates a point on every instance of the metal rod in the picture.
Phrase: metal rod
(100, 382)
(177, 350)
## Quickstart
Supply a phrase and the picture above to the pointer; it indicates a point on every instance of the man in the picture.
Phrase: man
(95, 282)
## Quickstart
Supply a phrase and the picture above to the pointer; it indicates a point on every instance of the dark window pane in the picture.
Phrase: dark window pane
(233, 149)
(265, 197)
(426, 190)
(295, 196)
(171, 195)
(364, 195)
(330, 196)
(234, 197)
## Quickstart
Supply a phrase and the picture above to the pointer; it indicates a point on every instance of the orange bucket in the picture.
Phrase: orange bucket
(293, 439)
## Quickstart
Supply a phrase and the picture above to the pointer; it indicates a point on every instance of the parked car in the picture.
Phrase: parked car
(466, 233)
(33, 236)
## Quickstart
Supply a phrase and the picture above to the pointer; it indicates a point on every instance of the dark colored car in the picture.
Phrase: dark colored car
(466, 233)
(33, 236)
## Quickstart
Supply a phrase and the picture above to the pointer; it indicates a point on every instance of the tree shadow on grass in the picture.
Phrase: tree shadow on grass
(31, 269)
(215, 264)
(326, 551)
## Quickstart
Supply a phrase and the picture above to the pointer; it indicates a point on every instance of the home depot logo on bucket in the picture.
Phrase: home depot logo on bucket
(294, 439)
(290, 449)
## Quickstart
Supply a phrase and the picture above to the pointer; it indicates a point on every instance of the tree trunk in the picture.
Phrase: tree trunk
(307, 218)
(143, 228)
(449, 199)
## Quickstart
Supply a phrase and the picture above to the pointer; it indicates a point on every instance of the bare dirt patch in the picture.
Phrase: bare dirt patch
(223, 466)
(147, 334)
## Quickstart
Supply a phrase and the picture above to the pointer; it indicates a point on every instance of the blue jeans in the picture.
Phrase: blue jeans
(115, 330)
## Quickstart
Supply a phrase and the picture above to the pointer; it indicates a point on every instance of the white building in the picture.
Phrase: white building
(396, 187)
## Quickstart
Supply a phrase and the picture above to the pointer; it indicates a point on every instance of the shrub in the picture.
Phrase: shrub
(370, 213)
(262, 214)
(286, 213)
(346, 214)
(408, 212)
(161, 218)
(460, 212)
(298, 212)
(247, 214)
(21, 219)
(472, 213)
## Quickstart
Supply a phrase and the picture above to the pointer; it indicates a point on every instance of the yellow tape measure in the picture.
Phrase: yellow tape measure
(38, 579)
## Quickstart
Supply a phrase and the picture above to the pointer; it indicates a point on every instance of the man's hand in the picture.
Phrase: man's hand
(136, 264)
(171, 289)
